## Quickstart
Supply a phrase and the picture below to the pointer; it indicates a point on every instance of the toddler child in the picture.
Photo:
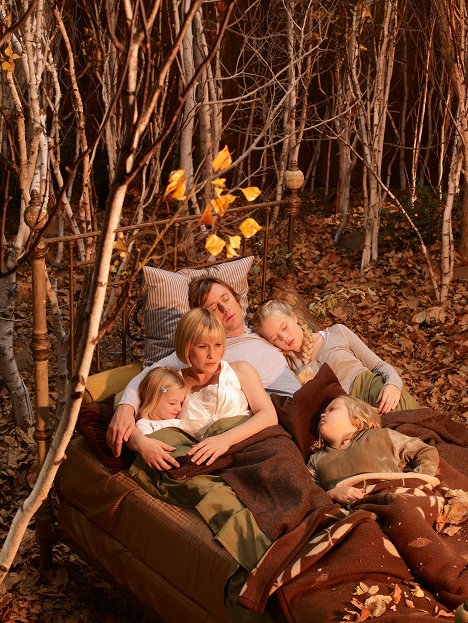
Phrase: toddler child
(162, 393)
(351, 442)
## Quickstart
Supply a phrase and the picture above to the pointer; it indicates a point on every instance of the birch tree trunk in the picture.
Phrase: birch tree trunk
(17, 391)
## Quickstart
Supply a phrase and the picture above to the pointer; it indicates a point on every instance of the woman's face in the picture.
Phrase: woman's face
(283, 331)
(335, 422)
(204, 357)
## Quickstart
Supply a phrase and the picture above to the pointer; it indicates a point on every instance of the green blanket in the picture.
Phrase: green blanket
(232, 523)
(367, 387)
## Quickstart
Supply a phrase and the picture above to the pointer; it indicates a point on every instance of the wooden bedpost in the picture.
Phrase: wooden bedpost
(293, 180)
(35, 217)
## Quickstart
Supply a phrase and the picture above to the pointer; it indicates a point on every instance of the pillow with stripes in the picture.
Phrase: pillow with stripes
(166, 300)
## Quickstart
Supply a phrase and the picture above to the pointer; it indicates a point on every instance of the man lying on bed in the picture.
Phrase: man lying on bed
(241, 345)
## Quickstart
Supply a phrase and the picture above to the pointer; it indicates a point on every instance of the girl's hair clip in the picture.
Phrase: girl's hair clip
(162, 389)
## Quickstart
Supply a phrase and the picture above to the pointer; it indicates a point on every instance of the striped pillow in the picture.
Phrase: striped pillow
(166, 300)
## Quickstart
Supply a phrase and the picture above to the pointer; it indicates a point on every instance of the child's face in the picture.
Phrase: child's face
(205, 357)
(335, 422)
(283, 331)
(170, 404)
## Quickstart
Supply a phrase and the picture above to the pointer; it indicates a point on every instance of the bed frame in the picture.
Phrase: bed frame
(181, 245)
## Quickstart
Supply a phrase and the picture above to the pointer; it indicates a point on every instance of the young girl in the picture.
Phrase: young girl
(162, 393)
(351, 442)
(216, 390)
(359, 370)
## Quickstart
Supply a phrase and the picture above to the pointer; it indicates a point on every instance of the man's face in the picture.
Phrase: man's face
(221, 301)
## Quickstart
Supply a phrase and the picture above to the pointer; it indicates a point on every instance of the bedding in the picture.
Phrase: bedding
(160, 556)
(325, 560)
(387, 541)
(386, 556)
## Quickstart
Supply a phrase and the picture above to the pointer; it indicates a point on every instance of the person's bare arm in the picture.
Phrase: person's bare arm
(120, 428)
(263, 415)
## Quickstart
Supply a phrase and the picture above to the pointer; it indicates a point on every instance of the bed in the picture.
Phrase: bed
(332, 564)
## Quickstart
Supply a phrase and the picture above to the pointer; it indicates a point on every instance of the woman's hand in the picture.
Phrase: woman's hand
(346, 495)
(388, 398)
(208, 450)
(155, 453)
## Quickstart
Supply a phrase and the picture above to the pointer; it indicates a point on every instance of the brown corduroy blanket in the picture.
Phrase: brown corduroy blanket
(401, 551)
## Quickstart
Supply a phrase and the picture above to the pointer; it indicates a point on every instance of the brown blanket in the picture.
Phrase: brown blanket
(382, 558)
(269, 476)
(401, 551)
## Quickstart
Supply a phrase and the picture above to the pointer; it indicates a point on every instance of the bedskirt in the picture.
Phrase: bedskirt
(163, 557)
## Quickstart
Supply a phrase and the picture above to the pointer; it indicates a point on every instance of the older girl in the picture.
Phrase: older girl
(359, 370)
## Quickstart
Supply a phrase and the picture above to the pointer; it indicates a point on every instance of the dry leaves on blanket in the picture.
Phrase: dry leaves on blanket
(455, 512)
(375, 605)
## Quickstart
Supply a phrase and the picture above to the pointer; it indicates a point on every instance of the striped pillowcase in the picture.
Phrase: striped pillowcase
(166, 300)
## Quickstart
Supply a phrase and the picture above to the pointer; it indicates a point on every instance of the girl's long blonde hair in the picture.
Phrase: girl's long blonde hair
(276, 306)
(156, 383)
(361, 414)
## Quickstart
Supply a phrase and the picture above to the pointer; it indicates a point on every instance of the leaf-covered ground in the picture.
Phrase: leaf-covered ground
(391, 305)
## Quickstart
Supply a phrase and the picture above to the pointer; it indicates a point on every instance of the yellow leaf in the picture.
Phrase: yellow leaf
(220, 181)
(418, 592)
(222, 160)
(120, 245)
(8, 66)
(249, 227)
(230, 253)
(207, 217)
(176, 185)
(235, 241)
(214, 244)
(251, 192)
(221, 204)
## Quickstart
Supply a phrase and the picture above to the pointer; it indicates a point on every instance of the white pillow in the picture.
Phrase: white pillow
(166, 300)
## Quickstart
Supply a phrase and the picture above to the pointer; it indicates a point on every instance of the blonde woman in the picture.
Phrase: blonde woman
(217, 389)
(351, 442)
(359, 370)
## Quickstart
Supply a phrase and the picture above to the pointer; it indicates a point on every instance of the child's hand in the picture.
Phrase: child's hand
(346, 495)
(388, 398)
(208, 450)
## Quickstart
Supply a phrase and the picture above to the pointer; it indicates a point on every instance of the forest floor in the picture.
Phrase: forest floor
(391, 305)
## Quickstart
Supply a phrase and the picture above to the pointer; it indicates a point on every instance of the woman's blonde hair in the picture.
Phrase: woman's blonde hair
(361, 414)
(195, 327)
(156, 383)
(276, 306)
